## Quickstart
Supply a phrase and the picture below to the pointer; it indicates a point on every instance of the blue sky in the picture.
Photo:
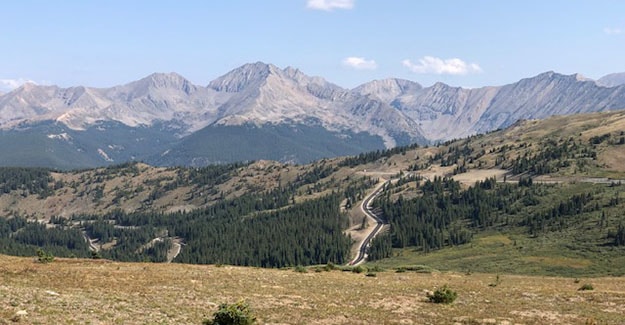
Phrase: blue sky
(348, 42)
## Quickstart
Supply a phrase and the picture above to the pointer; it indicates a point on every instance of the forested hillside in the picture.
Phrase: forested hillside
(583, 217)
(271, 228)
(543, 186)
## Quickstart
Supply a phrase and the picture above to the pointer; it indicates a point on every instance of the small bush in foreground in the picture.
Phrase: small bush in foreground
(300, 269)
(442, 295)
(358, 269)
(586, 286)
(329, 267)
(375, 268)
(44, 257)
(234, 314)
(418, 268)
(496, 283)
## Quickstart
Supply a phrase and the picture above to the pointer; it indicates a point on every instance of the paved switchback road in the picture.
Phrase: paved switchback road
(365, 206)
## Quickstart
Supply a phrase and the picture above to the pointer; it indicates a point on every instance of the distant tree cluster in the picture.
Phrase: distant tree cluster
(211, 175)
(30, 180)
(557, 218)
(304, 234)
(453, 155)
(317, 173)
(553, 156)
(23, 238)
(259, 229)
(619, 235)
(439, 217)
(369, 157)
(381, 247)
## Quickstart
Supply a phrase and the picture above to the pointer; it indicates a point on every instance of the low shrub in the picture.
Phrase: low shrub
(442, 295)
(300, 269)
(376, 268)
(419, 268)
(44, 257)
(232, 314)
(586, 286)
(358, 269)
(330, 266)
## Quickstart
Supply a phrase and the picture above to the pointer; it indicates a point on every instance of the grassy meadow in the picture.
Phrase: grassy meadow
(75, 291)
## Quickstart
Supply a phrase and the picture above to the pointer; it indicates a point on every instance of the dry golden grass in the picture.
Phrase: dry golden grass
(613, 159)
(69, 291)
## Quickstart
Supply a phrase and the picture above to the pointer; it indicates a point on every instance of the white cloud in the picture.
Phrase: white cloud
(10, 84)
(430, 64)
(359, 63)
(613, 31)
(329, 5)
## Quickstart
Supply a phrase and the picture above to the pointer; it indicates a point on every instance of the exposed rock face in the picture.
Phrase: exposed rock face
(447, 112)
(395, 110)
(255, 93)
(612, 80)
(388, 89)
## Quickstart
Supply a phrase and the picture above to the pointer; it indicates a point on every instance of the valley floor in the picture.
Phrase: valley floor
(74, 291)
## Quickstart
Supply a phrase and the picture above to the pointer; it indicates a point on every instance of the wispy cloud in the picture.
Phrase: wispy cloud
(433, 65)
(359, 63)
(613, 31)
(10, 84)
(329, 5)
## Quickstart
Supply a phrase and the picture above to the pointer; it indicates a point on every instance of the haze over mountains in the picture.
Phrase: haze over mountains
(259, 111)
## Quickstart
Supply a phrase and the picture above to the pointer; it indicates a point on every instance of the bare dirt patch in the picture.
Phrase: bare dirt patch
(474, 175)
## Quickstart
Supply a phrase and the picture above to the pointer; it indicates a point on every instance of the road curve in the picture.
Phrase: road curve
(366, 208)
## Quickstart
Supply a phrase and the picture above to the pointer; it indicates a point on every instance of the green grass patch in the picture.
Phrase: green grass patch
(578, 246)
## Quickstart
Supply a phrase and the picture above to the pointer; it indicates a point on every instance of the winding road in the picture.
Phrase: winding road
(365, 206)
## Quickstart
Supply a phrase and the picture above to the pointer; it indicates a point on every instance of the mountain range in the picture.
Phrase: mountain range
(260, 111)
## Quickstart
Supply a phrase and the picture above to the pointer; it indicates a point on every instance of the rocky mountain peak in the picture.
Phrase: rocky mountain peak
(31, 91)
(396, 110)
(552, 79)
(292, 72)
(243, 77)
(170, 80)
(28, 86)
(612, 80)
(581, 77)
(388, 89)
(302, 78)
(442, 85)
(545, 75)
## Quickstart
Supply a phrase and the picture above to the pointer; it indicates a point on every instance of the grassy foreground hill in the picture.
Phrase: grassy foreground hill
(76, 291)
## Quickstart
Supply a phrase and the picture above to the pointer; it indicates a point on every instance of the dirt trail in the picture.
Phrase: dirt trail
(92, 247)
(175, 249)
